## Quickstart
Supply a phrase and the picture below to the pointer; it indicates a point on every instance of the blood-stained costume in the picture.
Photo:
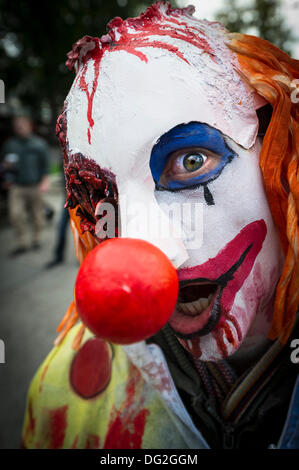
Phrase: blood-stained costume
(164, 109)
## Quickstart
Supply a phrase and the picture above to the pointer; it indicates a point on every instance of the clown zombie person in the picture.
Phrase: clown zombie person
(166, 108)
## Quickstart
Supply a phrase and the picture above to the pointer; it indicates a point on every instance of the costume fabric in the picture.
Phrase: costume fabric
(122, 397)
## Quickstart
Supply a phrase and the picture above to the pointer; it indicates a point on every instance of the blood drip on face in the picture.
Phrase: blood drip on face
(131, 35)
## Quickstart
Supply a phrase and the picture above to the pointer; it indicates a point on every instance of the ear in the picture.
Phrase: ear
(264, 116)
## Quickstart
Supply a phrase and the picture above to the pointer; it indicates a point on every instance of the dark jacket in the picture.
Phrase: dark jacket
(30, 157)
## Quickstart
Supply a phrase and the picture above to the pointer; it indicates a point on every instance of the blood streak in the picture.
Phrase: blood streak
(74, 444)
(97, 56)
(219, 337)
(126, 427)
(98, 53)
(92, 442)
(223, 330)
(236, 325)
(31, 422)
(229, 335)
(130, 35)
(43, 377)
(57, 426)
(120, 438)
(195, 350)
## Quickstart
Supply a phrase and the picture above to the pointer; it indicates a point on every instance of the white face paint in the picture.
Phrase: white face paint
(136, 102)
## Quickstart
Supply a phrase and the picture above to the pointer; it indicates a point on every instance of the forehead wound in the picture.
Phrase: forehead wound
(200, 44)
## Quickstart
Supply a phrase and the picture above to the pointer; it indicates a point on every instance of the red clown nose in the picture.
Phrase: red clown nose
(126, 290)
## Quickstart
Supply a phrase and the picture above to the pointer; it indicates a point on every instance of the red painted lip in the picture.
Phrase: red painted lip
(240, 252)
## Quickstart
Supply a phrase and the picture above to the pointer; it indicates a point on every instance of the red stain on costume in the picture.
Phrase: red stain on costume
(157, 371)
(120, 438)
(130, 35)
(45, 369)
(91, 368)
(126, 427)
(31, 422)
(74, 444)
(92, 442)
(57, 426)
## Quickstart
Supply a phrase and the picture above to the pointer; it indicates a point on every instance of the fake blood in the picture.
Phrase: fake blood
(223, 330)
(253, 236)
(45, 369)
(120, 438)
(92, 442)
(130, 35)
(126, 427)
(31, 422)
(236, 325)
(57, 425)
(74, 444)
(98, 53)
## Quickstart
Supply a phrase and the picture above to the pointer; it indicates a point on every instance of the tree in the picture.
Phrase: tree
(262, 18)
(34, 39)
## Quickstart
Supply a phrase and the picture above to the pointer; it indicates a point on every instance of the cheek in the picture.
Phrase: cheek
(254, 303)
(255, 297)
(239, 198)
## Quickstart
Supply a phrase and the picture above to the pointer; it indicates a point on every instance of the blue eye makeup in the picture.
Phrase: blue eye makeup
(189, 155)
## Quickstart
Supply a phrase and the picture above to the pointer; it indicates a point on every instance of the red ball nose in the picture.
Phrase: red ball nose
(126, 290)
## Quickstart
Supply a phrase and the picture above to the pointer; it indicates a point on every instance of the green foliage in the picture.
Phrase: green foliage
(261, 18)
(35, 37)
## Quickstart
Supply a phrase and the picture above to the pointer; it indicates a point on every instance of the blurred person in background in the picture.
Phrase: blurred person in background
(61, 235)
(26, 160)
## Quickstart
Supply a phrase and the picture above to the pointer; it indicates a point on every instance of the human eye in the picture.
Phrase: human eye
(189, 155)
(189, 166)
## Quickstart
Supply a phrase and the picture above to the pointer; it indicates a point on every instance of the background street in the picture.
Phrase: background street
(33, 300)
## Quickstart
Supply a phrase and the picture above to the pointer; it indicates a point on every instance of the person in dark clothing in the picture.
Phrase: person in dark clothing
(26, 156)
(58, 255)
(59, 249)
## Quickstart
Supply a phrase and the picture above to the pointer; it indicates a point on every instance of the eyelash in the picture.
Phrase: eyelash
(208, 196)
(170, 149)
(159, 187)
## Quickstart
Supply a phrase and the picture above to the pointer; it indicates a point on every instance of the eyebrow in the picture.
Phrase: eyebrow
(192, 134)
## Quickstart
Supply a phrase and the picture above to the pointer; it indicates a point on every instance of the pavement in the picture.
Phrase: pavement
(33, 301)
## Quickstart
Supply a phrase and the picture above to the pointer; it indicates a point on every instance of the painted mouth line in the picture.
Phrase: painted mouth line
(204, 312)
